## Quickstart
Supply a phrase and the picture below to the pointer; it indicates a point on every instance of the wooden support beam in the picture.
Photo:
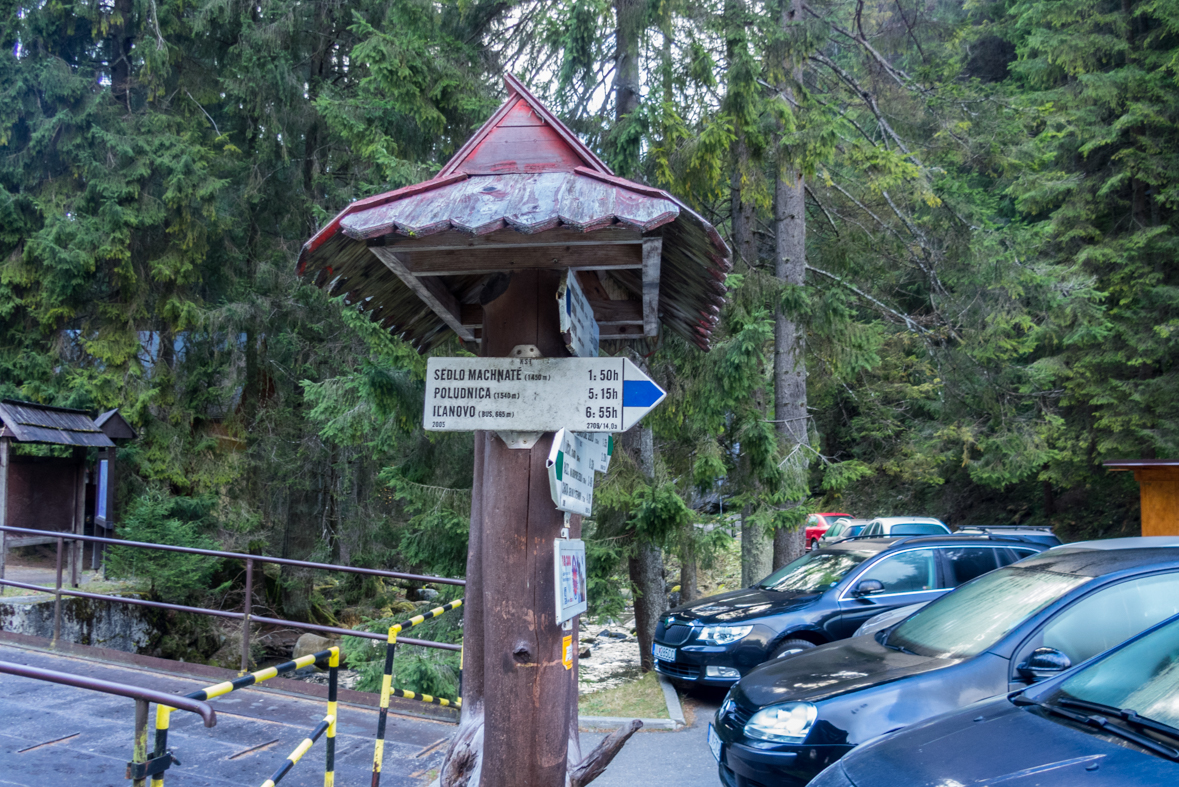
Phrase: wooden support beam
(621, 332)
(432, 292)
(456, 262)
(652, 259)
(510, 239)
(617, 312)
(3, 503)
(609, 314)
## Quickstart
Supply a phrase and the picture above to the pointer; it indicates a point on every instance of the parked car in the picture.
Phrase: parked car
(792, 717)
(840, 529)
(823, 596)
(894, 616)
(886, 526)
(1039, 533)
(1114, 719)
(817, 525)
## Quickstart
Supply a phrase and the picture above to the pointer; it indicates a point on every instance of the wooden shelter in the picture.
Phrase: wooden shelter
(114, 426)
(1158, 486)
(45, 493)
(479, 251)
(523, 194)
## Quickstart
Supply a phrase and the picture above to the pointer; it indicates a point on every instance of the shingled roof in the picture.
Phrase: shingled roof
(27, 422)
(522, 193)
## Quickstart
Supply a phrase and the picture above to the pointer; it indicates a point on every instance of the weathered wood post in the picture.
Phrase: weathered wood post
(480, 251)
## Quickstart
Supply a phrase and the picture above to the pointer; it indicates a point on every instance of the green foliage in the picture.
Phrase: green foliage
(161, 519)
(418, 669)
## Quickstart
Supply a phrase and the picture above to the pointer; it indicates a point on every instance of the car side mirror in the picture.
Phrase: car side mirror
(1043, 663)
(868, 587)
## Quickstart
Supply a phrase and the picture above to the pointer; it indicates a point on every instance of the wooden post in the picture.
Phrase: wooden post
(518, 697)
(3, 503)
(79, 519)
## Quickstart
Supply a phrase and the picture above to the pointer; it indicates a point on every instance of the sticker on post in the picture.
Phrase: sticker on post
(569, 561)
(567, 651)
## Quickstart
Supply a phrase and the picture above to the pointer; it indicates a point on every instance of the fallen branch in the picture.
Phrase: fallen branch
(593, 765)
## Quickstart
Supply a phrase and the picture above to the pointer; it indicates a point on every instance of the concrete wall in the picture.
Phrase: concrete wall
(84, 621)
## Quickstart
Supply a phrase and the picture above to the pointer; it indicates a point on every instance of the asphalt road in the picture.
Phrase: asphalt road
(666, 759)
(60, 735)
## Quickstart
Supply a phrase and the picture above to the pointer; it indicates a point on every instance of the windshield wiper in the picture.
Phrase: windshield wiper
(1128, 715)
(1104, 723)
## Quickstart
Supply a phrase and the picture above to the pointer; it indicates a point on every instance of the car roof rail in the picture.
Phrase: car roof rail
(1000, 528)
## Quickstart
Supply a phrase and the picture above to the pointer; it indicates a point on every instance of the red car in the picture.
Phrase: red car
(816, 526)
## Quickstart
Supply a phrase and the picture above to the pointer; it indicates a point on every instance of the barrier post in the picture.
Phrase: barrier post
(163, 719)
(247, 608)
(57, 596)
(329, 771)
(139, 753)
(386, 690)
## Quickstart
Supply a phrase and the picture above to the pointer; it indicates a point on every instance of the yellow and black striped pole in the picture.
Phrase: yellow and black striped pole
(164, 713)
(383, 717)
(300, 750)
(387, 680)
(329, 770)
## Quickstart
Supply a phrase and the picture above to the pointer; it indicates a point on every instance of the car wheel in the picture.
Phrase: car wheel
(814, 544)
(790, 647)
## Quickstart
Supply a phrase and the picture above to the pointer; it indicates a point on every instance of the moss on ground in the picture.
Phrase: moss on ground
(639, 699)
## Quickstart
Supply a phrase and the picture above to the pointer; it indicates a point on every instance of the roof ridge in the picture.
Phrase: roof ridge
(517, 92)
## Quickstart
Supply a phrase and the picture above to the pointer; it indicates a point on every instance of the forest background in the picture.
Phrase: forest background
(985, 312)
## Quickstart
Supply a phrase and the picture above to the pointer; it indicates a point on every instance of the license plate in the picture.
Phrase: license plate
(663, 653)
(714, 743)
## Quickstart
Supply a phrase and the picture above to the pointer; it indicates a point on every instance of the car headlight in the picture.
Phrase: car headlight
(786, 723)
(723, 635)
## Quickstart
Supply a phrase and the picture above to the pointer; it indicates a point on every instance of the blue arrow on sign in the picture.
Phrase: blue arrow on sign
(640, 395)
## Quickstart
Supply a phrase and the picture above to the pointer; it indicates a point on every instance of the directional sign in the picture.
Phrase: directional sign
(571, 466)
(577, 318)
(536, 394)
(603, 446)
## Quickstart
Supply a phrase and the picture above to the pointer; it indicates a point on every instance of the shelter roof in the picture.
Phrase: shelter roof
(115, 426)
(27, 422)
(524, 192)
(1139, 464)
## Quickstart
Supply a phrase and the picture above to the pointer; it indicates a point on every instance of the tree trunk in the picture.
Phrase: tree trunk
(121, 40)
(630, 16)
(789, 341)
(646, 565)
(688, 590)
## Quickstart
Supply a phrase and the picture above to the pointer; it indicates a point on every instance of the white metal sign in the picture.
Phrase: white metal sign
(603, 443)
(569, 561)
(572, 462)
(536, 394)
(577, 318)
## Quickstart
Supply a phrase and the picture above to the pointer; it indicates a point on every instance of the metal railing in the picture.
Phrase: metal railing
(163, 754)
(140, 768)
(246, 616)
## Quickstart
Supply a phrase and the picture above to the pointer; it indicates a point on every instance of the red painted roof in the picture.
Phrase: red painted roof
(523, 170)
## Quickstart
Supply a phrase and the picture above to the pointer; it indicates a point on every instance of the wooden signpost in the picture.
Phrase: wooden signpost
(525, 217)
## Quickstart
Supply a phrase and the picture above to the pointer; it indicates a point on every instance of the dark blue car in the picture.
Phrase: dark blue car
(1113, 721)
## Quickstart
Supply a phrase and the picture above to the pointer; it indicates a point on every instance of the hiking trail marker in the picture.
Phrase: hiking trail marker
(536, 394)
(578, 326)
(573, 461)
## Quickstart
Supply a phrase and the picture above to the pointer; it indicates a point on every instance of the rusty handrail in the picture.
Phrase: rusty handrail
(282, 561)
(203, 709)
(247, 616)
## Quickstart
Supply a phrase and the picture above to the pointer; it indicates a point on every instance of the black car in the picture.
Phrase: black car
(1114, 720)
(789, 719)
(823, 596)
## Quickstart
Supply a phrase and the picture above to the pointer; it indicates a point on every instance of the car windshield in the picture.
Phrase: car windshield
(814, 572)
(1142, 677)
(916, 529)
(972, 618)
